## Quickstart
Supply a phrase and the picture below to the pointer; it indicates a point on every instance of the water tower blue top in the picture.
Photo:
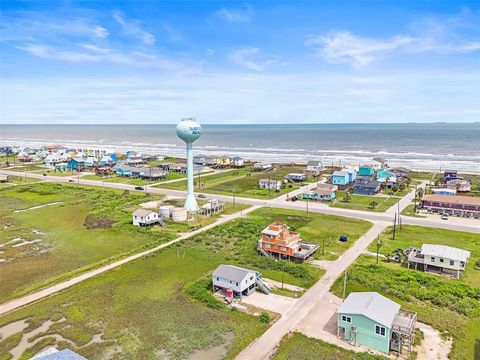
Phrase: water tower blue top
(189, 130)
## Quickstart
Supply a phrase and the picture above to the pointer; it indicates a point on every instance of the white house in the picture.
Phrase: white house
(91, 161)
(262, 166)
(51, 160)
(199, 159)
(144, 217)
(314, 166)
(270, 184)
(237, 161)
(296, 177)
(444, 258)
(241, 281)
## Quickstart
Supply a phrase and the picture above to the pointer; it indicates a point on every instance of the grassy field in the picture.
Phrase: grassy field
(409, 211)
(141, 311)
(243, 181)
(362, 202)
(86, 228)
(237, 241)
(418, 235)
(450, 306)
(300, 347)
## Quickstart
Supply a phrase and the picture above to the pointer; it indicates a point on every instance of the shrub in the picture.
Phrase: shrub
(265, 317)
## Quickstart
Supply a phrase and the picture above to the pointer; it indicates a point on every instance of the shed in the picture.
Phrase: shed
(144, 217)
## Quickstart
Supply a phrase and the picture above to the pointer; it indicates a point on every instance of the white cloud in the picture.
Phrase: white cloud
(246, 57)
(236, 16)
(132, 28)
(95, 54)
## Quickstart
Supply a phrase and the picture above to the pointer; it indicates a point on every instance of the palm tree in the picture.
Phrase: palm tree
(373, 204)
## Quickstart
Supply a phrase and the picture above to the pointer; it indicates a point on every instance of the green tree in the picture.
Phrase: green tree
(373, 204)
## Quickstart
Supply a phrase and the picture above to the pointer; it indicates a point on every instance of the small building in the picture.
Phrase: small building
(374, 321)
(77, 164)
(154, 174)
(107, 160)
(262, 166)
(352, 175)
(138, 172)
(61, 167)
(51, 160)
(366, 170)
(91, 161)
(270, 184)
(159, 157)
(439, 258)
(242, 282)
(166, 166)
(144, 217)
(450, 175)
(278, 240)
(340, 178)
(199, 159)
(323, 192)
(222, 162)
(401, 172)
(135, 159)
(123, 170)
(24, 157)
(364, 185)
(460, 185)
(237, 162)
(296, 177)
(103, 171)
(314, 166)
(384, 174)
(453, 205)
(444, 191)
(3, 178)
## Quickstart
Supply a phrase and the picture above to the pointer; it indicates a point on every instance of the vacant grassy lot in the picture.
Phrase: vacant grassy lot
(418, 235)
(362, 202)
(243, 181)
(300, 347)
(140, 311)
(452, 307)
(409, 210)
(237, 241)
(79, 229)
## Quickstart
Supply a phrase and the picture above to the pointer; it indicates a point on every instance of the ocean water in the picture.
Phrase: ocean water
(418, 146)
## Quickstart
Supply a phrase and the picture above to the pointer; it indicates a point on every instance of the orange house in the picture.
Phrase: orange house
(277, 239)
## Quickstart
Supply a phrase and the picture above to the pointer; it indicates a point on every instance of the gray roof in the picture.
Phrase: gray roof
(231, 272)
(371, 305)
(340, 173)
(142, 212)
(314, 163)
(446, 252)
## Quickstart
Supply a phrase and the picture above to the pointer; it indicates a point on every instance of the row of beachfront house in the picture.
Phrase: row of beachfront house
(219, 162)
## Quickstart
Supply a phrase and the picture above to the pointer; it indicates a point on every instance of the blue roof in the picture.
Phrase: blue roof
(65, 354)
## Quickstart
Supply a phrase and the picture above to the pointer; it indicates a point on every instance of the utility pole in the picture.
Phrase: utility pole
(415, 201)
(307, 205)
(344, 284)
(233, 195)
(283, 272)
(379, 245)
(323, 246)
(394, 226)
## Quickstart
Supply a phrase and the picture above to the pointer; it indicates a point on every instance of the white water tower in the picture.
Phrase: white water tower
(189, 130)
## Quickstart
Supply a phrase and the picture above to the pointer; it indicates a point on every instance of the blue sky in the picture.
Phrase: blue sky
(93, 62)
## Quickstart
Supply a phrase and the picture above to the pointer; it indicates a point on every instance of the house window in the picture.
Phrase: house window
(441, 260)
(432, 259)
(462, 264)
(236, 283)
(284, 248)
(347, 319)
(267, 245)
(380, 330)
(218, 279)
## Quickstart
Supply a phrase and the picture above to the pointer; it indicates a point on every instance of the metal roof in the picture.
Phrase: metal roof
(314, 163)
(142, 212)
(371, 305)
(340, 173)
(446, 252)
(232, 272)
(458, 199)
(54, 354)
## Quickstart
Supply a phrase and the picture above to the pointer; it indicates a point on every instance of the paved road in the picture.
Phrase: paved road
(263, 346)
(460, 224)
(25, 300)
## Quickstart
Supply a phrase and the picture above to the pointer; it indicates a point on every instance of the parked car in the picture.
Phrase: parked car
(138, 187)
(444, 216)
(202, 196)
(294, 198)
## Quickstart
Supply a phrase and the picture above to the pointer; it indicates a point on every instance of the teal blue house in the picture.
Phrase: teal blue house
(340, 178)
(374, 321)
(366, 170)
(384, 174)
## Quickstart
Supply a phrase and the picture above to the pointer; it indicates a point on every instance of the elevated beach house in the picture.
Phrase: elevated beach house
(237, 162)
(77, 164)
(340, 178)
(323, 192)
(144, 217)
(296, 177)
(439, 258)
(277, 240)
(237, 281)
(374, 321)
(352, 175)
(270, 184)
(314, 166)
(366, 170)
(199, 159)
(262, 166)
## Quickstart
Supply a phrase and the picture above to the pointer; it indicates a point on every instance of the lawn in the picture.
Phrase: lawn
(450, 306)
(300, 347)
(243, 182)
(362, 202)
(141, 310)
(409, 211)
(417, 235)
(81, 229)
